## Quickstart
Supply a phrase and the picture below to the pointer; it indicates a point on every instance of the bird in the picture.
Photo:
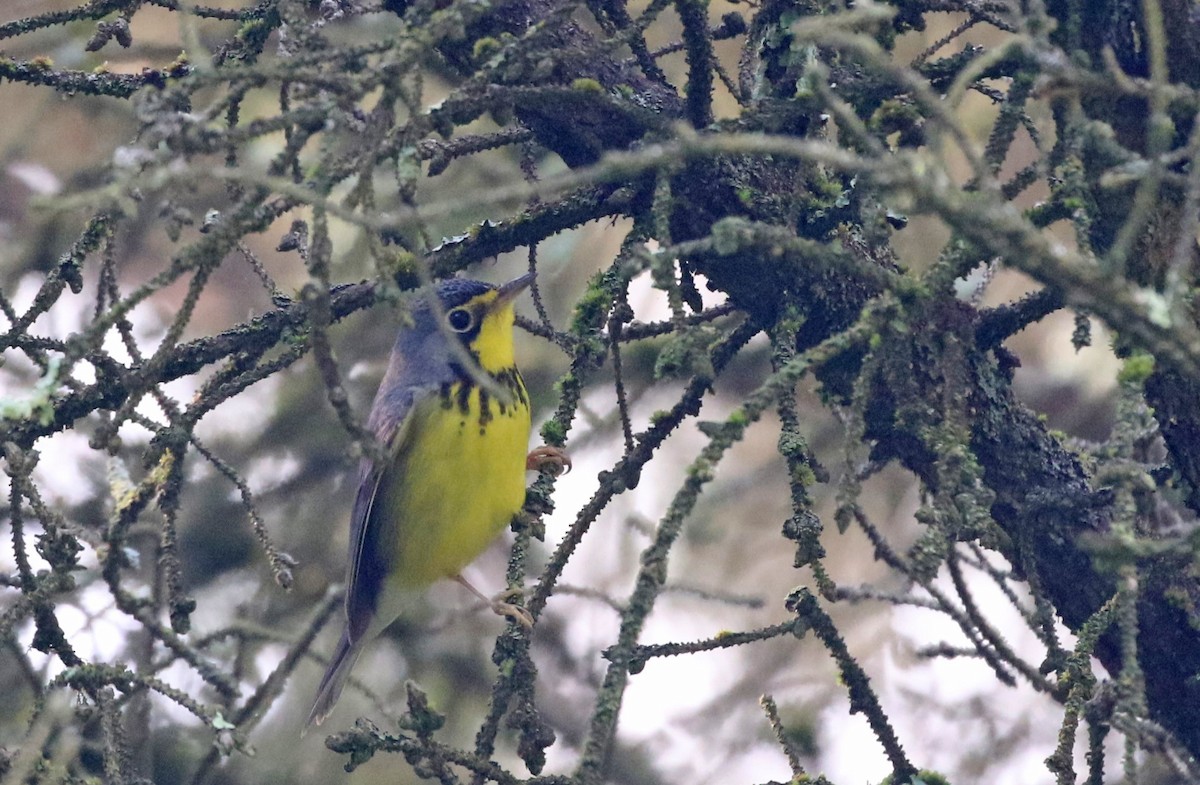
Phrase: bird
(452, 417)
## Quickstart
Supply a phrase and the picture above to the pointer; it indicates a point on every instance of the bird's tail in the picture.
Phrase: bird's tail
(335, 678)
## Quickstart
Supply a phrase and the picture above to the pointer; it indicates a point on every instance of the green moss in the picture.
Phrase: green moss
(587, 86)
(592, 307)
(899, 117)
(685, 354)
(553, 432)
(180, 67)
(803, 475)
(923, 777)
(40, 403)
(254, 33)
(485, 47)
(1136, 369)
(399, 265)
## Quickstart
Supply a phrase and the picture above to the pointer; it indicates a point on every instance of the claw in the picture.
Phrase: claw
(552, 460)
(516, 613)
(499, 604)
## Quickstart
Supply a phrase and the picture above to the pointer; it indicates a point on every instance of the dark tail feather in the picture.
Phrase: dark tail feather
(335, 678)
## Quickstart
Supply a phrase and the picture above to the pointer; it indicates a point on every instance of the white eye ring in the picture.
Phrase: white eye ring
(460, 320)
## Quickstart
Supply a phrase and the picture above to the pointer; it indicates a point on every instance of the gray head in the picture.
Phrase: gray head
(463, 304)
(454, 298)
(476, 313)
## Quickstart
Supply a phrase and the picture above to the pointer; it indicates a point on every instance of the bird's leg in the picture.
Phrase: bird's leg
(499, 605)
(552, 460)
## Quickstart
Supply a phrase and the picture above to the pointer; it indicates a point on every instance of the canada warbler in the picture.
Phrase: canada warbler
(454, 474)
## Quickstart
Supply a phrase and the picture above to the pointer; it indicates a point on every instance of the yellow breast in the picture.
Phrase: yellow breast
(462, 481)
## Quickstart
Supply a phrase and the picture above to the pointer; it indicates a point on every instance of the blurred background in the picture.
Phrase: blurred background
(693, 718)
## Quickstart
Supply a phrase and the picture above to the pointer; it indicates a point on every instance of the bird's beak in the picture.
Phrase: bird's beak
(509, 291)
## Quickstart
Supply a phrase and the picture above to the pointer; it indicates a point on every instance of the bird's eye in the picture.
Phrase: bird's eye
(460, 320)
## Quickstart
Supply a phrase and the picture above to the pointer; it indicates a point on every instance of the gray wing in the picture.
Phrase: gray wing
(370, 539)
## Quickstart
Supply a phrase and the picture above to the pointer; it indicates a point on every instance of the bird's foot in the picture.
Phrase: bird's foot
(552, 460)
(500, 604)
